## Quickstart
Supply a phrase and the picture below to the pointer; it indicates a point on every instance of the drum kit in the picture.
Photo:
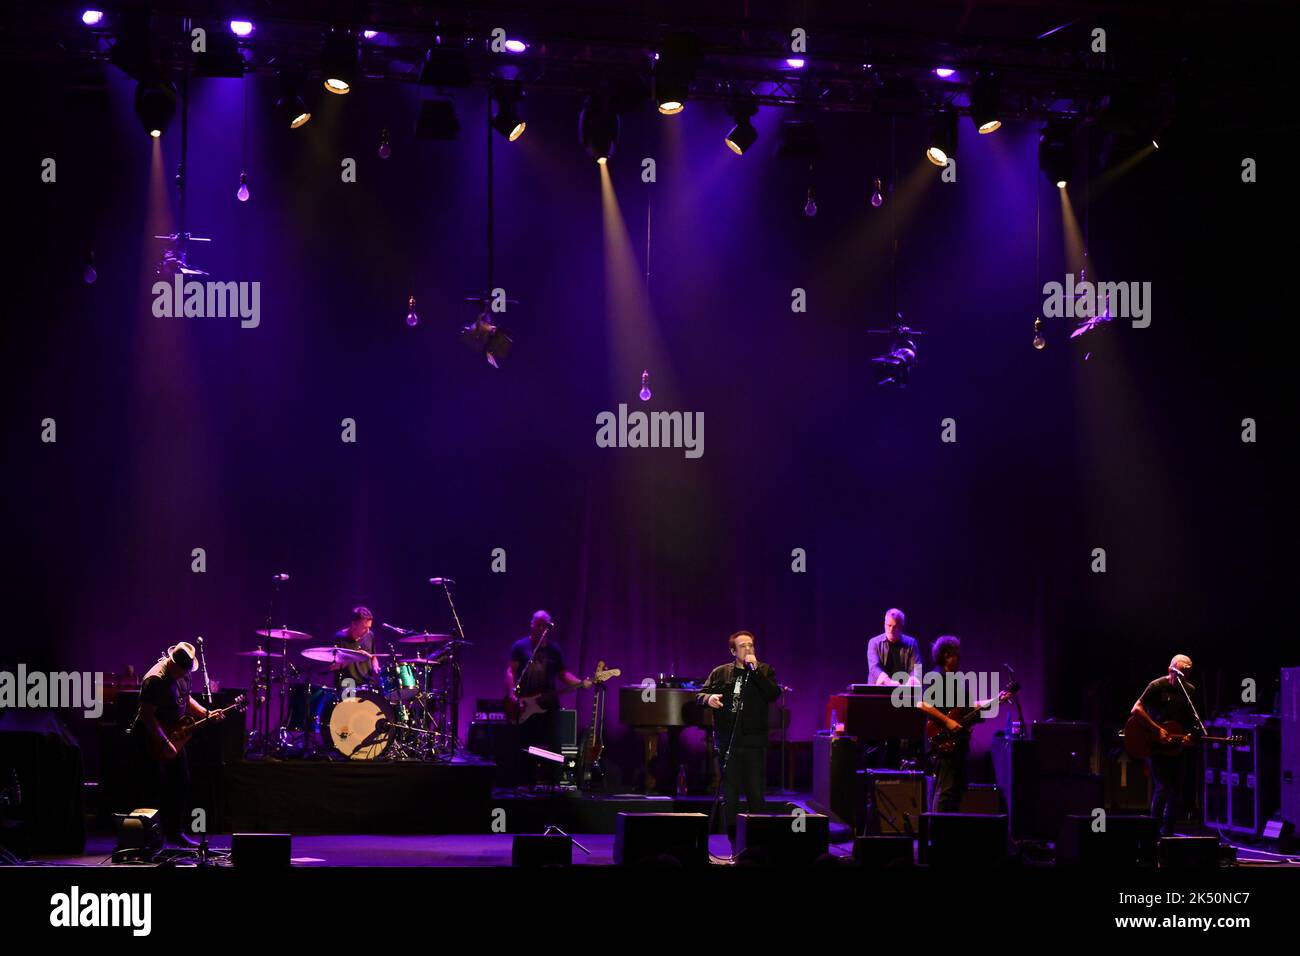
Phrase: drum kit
(400, 711)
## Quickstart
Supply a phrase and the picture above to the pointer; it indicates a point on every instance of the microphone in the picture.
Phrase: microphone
(437, 582)
(751, 665)
(280, 577)
(395, 629)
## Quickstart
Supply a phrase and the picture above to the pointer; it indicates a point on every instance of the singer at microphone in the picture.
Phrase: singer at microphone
(739, 693)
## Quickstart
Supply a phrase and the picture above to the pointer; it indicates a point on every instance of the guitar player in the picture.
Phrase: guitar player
(950, 768)
(1164, 700)
(537, 667)
(164, 699)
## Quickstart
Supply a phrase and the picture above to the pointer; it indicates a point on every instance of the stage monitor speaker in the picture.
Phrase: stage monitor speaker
(1127, 841)
(1059, 795)
(1188, 852)
(962, 839)
(787, 839)
(645, 837)
(881, 851)
(1064, 746)
(260, 851)
(535, 849)
(835, 761)
(890, 801)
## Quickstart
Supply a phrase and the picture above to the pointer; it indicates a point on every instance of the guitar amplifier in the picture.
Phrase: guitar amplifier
(1253, 773)
(890, 801)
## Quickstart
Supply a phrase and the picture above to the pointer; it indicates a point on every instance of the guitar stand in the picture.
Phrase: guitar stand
(552, 830)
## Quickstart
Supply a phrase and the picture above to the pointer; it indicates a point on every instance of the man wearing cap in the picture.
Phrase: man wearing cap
(1168, 698)
(164, 699)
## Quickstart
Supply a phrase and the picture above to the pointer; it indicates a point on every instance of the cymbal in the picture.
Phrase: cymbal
(425, 639)
(284, 634)
(425, 661)
(258, 654)
(334, 655)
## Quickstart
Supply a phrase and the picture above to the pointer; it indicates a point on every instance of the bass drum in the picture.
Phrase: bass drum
(361, 726)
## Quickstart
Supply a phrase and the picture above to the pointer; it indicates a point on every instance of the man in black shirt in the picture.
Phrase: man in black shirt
(164, 699)
(536, 668)
(748, 686)
(950, 767)
(358, 636)
(1164, 700)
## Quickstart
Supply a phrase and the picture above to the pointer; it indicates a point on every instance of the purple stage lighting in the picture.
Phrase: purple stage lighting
(943, 72)
(370, 34)
(516, 46)
(92, 18)
(241, 28)
(794, 62)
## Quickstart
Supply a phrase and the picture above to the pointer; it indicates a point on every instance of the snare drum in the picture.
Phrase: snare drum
(360, 726)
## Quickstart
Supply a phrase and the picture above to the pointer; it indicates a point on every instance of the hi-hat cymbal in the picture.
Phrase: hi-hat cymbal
(258, 654)
(284, 634)
(425, 639)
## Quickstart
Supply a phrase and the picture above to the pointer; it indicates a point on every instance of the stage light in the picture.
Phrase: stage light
(486, 339)
(339, 63)
(810, 207)
(943, 138)
(412, 319)
(92, 18)
(795, 63)
(241, 28)
(742, 135)
(598, 129)
(291, 106)
(437, 120)
(674, 69)
(1056, 151)
(895, 367)
(644, 394)
(88, 274)
(370, 34)
(877, 197)
(986, 102)
(516, 46)
(385, 149)
(242, 192)
(508, 121)
(671, 93)
(1040, 343)
(944, 72)
(155, 105)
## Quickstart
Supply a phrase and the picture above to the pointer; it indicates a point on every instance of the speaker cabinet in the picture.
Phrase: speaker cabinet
(1127, 841)
(260, 851)
(786, 839)
(639, 837)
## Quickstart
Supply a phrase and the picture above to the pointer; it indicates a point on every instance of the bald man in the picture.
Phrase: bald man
(1164, 700)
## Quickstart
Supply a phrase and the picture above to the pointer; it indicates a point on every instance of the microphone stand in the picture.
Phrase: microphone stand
(738, 708)
(203, 666)
(454, 696)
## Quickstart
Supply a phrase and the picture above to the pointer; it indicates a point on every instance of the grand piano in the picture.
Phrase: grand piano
(669, 710)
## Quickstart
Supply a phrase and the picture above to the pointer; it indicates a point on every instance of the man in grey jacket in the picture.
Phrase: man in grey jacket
(893, 658)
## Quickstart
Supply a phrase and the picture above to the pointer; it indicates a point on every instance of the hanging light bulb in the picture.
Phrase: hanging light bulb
(645, 386)
(89, 274)
(411, 318)
(242, 192)
(877, 198)
(1040, 343)
(810, 207)
(385, 150)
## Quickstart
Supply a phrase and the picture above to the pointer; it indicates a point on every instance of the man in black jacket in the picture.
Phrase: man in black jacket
(746, 687)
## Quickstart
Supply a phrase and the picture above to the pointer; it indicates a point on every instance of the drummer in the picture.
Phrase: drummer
(357, 636)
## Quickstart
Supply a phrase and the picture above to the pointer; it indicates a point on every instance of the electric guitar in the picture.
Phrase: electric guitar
(945, 741)
(525, 708)
(1141, 739)
(180, 732)
(593, 771)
